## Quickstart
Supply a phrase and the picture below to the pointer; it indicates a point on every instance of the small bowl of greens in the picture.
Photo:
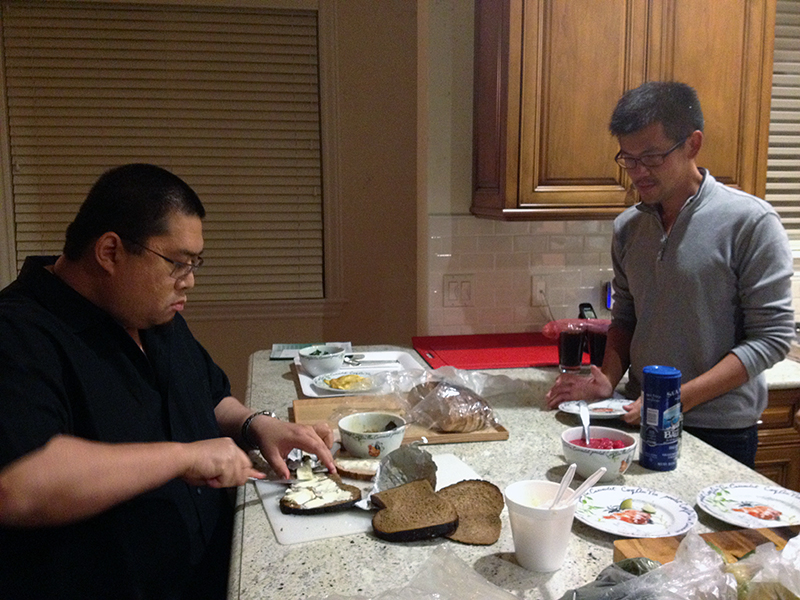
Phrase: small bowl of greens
(321, 359)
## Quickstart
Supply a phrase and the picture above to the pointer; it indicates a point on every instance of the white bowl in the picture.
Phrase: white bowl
(318, 360)
(588, 460)
(365, 435)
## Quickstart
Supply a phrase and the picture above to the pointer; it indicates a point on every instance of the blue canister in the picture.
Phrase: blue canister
(661, 418)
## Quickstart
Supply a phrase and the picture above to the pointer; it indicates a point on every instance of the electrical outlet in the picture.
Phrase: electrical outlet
(457, 290)
(538, 292)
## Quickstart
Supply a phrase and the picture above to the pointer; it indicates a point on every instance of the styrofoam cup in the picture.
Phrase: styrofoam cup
(541, 535)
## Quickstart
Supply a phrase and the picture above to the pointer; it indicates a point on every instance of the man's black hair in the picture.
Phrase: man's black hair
(134, 201)
(673, 104)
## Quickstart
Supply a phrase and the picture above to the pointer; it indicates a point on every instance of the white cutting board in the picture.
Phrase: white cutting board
(293, 529)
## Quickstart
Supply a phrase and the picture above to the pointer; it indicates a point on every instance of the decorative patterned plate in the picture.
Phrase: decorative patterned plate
(602, 409)
(363, 386)
(651, 514)
(751, 505)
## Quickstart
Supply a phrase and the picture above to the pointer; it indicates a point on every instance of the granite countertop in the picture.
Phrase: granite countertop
(362, 565)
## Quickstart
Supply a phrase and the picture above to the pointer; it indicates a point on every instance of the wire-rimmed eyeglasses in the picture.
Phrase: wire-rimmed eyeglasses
(648, 160)
(179, 269)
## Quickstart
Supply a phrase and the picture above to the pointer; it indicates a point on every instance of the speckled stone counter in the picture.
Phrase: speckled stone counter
(362, 565)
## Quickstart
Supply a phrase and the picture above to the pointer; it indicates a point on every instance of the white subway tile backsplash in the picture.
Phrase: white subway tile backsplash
(548, 227)
(570, 256)
(573, 258)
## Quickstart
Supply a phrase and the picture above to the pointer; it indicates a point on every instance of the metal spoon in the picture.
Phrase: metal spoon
(583, 410)
(357, 360)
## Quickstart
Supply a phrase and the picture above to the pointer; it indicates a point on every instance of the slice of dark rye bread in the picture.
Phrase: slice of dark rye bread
(478, 504)
(412, 511)
(293, 508)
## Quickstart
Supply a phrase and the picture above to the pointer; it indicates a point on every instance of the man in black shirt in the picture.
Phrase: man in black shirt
(118, 433)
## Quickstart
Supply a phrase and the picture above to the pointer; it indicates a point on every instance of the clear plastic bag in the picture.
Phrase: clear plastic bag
(767, 574)
(445, 399)
(697, 573)
(452, 400)
(443, 576)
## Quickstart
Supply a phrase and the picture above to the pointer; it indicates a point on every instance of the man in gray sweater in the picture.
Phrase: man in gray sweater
(701, 278)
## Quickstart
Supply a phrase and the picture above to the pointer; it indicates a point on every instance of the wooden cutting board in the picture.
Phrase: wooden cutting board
(314, 410)
(734, 544)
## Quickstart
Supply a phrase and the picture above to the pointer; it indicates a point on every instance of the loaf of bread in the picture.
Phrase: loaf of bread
(412, 511)
(449, 408)
(478, 504)
(319, 494)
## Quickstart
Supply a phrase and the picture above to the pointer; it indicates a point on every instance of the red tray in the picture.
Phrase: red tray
(488, 351)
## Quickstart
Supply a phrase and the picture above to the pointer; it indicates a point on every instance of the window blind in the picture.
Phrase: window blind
(226, 98)
(783, 163)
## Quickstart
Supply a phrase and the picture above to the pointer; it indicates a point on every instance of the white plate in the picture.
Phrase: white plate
(599, 508)
(395, 361)
(364, 387)
(602, 409)
(729, 502)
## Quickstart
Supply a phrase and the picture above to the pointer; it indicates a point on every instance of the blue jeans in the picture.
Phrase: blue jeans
(740, 444)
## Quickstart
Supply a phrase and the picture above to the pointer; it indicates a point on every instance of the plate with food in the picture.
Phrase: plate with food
(611, 408)
(634, 512)
(751, 505)
(345, 382)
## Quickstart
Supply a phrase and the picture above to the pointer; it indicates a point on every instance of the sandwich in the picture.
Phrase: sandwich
(322, 493)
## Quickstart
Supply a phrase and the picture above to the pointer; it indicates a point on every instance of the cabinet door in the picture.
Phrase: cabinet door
(548, 74)
(723, 49)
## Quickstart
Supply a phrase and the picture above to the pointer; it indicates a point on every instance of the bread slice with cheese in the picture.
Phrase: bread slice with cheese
(412, 511)
(478, 504)
(319, 494)
(363, 469)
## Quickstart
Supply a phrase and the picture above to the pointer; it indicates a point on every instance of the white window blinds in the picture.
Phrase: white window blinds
(226, 98)
(783, 165)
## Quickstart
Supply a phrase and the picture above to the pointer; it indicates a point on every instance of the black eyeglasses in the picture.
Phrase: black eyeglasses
(179, 269)
(648, 160)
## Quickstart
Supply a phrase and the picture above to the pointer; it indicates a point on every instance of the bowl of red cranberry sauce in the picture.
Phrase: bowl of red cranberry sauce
(608, 447)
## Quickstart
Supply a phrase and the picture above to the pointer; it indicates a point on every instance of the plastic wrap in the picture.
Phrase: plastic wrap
(700, 573)
(443, 576)
(446, 399)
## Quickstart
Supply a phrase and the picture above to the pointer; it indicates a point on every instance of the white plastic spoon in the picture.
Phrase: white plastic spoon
(584, 486)
(565, 481)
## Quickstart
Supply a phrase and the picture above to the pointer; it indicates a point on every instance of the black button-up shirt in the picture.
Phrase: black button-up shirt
(66, 367)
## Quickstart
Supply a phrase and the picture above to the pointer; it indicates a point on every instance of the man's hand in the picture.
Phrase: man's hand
(579, 387)
(634, 414)
(277, 438)
(217, 463)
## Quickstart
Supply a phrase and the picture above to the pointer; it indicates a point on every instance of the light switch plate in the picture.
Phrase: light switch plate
(457, 290)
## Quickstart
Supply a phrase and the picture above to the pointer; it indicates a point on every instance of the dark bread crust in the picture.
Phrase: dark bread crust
(478, 504)
(411, 512)
(413, 535)
(292, 508)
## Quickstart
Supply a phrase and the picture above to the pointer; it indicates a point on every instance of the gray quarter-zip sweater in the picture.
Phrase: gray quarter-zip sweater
(719, 282)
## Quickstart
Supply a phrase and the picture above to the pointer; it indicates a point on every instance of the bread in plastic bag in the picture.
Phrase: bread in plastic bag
(449, 408)
(452, 400)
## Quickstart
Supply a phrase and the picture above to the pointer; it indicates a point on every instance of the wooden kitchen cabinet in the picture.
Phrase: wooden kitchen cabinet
(778, 455)
(548, 74)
